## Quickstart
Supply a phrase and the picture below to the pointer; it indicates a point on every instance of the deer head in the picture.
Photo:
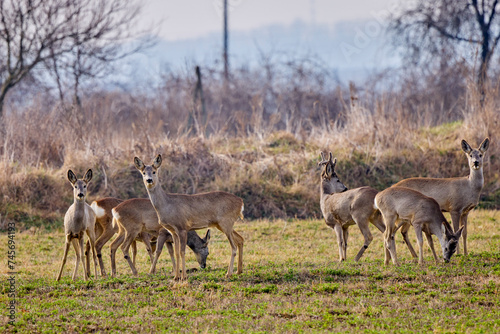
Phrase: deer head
(329, 179)
(475, 156)
(149, 173)
(451, 241)
(80, 186)
(200, 248)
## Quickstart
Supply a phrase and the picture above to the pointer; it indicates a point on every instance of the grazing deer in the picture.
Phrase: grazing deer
(342, 208)
(180, 213)
(456, 195)
(79, 219)
(136, 219)
(400, 203)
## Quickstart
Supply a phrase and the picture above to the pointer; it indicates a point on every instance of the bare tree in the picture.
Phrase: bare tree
(75, 37)
(226, 38)
(444, 27)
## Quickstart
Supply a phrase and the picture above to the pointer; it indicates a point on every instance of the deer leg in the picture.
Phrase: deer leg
(78, 246)
(91, 235)
(389, 242)
(162, 238)
(129, 238)
(134, 251)
(239, 242)
(431, 245)
(177, 251)
(340, 241)
(404, 232)
(183, 243)
(365, 230)
(345, 233)
(420, 242)
(99, 244)
(376, 220)
(146, 238)
(113, 247)
(66, 248)
(463, 222)
(86, 265)
(455, 219)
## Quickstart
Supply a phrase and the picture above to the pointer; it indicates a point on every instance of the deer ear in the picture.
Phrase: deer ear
(88, 176)
(466, 147)
(447, 229)
(157, 161)
(207, 237)
(459, 232)
(484, 145)
(329, 170)
(139, 164)
(72, 177)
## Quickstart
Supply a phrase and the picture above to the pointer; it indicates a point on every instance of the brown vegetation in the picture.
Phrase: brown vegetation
(260, 141)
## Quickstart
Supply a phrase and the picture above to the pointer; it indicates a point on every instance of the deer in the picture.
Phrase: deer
(343, 208)
(423, 212)
(136, 219)
(78, 220)
(104, 228)
(457, 195)
(179, 213)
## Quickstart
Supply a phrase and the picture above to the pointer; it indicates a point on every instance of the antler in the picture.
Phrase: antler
(324, 161)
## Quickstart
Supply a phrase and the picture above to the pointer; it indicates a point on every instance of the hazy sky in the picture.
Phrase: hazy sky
(181, 19)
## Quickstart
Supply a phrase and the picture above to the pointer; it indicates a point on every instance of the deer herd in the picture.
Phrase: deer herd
(172, 219)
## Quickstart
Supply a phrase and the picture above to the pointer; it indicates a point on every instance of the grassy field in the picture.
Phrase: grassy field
(291, 282)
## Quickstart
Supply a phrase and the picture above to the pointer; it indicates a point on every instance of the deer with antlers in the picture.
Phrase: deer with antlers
(457, 195)
(180, 213)
(342, 208)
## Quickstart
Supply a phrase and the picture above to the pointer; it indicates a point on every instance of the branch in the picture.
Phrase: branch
(432, 24)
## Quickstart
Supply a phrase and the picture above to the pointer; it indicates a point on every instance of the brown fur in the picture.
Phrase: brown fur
(456, 195)
(79, 219)
(399, 203)
(180, 213)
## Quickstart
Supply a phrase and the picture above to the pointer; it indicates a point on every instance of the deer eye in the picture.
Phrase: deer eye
(480, 155)
(154, 172)
(84, 187)
(76, 187)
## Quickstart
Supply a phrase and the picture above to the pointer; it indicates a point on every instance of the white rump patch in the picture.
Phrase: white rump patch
(99, 212)
(116, 216)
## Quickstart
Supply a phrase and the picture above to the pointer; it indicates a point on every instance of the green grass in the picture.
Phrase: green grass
(291, 282)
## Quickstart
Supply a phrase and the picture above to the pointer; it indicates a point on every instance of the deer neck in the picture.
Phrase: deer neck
(325, 191)
(78, 210)
(436, 229)
(157, 196)
(476, 179)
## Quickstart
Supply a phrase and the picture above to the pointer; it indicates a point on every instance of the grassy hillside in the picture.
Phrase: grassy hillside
(291, 283)
(276, 175)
